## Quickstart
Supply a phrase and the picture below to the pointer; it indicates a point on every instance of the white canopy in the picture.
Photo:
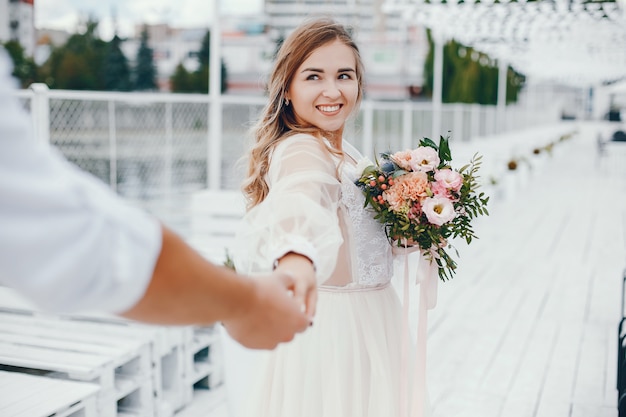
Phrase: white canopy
(568, 41)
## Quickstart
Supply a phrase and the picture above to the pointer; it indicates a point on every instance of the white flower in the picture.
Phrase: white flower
(362, 164)
(439, 210)
(424, 159)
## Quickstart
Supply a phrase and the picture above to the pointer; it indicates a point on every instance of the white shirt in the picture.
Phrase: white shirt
(67, 241)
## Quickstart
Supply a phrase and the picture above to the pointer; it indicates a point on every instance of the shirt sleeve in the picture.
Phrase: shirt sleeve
(66, 241)
(299, 214)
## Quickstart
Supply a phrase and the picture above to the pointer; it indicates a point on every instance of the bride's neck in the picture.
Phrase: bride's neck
(335, 139)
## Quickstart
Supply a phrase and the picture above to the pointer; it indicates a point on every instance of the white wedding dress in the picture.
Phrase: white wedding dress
(348, 364)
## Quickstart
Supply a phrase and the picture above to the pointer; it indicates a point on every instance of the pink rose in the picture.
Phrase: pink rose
(403, 159)
(450, 179)
(439, 210)
(424, 159)
(439, 189)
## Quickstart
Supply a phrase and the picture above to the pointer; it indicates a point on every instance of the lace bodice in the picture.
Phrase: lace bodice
(309, 210)
(372, 260)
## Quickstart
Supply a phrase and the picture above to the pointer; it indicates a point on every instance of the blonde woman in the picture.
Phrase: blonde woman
(307, 217)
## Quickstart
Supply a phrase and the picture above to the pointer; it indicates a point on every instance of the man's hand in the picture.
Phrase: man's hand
(305, 287)
(275, 317)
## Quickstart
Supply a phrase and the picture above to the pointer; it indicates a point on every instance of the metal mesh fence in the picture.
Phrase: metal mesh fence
(156, 149)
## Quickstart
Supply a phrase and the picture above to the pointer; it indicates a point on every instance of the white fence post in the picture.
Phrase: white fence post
(437, 85)
(407, 125)
(503, 68)
(40, 109)
(112, 146)
(215, 114)
(368, 128)
(457, 132)
(169, 149)
(474, 120)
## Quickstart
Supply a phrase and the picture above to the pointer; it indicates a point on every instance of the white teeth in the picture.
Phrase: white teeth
(329, 108)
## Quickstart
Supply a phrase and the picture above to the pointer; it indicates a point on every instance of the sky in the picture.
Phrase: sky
(66, 14)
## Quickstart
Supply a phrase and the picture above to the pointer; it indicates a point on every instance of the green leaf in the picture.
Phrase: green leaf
(444, 150)
(429, 143)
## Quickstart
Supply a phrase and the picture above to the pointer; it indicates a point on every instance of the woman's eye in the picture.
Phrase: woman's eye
(344, 77)
(313, 77)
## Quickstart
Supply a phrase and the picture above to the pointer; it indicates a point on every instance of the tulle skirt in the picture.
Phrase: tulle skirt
(348, 364)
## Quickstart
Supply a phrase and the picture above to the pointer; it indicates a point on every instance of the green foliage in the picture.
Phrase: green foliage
(116, 68)
(278, 43)
(183, 81)
(408, 223)
(203, 72)
(79, 64)
(24, 68)
(180, 81)
(229, 261)
(145, 70)
(469, 76)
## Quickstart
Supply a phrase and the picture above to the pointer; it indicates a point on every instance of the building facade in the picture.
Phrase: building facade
(393, 52)
(17, 23)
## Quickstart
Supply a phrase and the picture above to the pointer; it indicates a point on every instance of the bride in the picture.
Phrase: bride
(307, 217)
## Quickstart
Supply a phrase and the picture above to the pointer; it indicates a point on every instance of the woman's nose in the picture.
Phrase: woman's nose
(331, 90)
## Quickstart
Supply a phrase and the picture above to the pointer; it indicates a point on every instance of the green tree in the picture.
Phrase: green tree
(73, 73)
(145, 70)
(116, 68)
(469, 76)
(277, 44)
(24, 67)
(202, 74)
(181, 81)
(79, 64)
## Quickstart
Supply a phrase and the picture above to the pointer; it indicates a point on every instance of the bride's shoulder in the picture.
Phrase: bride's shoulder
(351, 150)
(301, 142)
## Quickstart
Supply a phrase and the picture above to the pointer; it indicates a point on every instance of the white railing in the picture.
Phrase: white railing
(157, 147)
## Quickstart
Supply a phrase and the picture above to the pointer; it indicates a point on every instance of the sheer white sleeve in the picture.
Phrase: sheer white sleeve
(299, 213)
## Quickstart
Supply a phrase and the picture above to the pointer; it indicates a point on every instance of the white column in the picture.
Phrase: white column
(368, 128)
(503, 67)
(437, 85)
(214, 148)
(112, 146)
(168, 156)
(40, 111)
(407, 125)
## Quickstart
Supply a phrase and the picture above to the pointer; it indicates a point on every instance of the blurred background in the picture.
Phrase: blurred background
(156, 99)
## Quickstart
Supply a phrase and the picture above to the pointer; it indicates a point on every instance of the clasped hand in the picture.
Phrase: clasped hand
(285, 305)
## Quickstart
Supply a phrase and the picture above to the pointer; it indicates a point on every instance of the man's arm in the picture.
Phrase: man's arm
(69, 244)
(187, 289)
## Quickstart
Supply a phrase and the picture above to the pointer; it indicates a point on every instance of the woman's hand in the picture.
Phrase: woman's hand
(303, 272)
(275, 316)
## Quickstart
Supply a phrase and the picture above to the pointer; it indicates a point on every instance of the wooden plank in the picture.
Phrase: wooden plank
(35, 396)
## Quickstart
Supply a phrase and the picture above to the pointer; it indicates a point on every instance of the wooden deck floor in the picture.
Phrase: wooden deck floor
(528, 327)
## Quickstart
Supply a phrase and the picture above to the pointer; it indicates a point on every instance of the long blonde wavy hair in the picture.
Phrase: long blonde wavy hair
(278, 121)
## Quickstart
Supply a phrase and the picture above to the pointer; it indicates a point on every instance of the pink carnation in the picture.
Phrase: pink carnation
(406, 188)
(439, 210)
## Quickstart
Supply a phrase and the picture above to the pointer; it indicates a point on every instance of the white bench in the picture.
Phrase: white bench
(215, 216)
(36, 396)
(115, 358)
(159, 378)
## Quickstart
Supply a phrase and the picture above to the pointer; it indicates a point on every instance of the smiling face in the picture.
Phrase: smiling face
(324, 89)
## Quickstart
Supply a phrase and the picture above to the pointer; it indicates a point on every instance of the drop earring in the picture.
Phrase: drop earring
(286, 102)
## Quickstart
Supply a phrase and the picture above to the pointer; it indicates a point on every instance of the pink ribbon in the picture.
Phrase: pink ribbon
(427, 279)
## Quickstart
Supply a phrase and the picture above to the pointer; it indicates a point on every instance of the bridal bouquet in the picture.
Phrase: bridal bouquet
(423, 201)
